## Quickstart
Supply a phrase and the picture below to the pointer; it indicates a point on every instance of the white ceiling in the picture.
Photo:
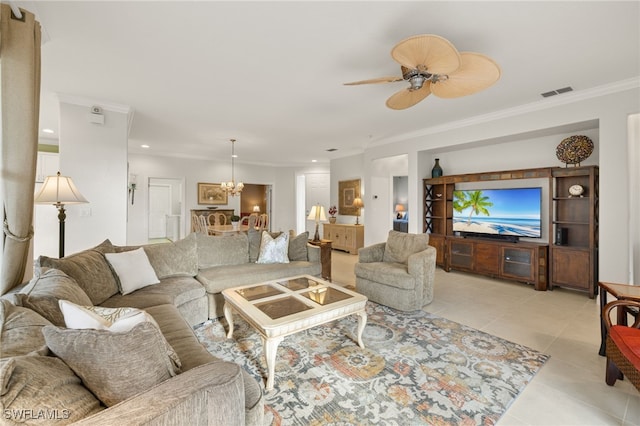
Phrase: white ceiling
(271, 74)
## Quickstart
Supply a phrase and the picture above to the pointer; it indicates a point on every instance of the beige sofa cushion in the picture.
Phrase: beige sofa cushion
(227, 250)
(114, 366)
(174, 290)
(46, 288)
(20, 330)
(401, 245)
(36, 385)
(90, 269)
(177, 259)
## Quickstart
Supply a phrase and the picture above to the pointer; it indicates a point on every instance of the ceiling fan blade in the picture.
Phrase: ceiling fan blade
(435, 53)
(476, 73)
(375, 80)
(407, 98)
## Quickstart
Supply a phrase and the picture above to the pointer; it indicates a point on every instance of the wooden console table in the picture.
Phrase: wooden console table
(325, 257)
(344, 236)
(620, 292)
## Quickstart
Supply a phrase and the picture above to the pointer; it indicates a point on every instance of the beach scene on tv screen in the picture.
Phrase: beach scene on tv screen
(513, 211)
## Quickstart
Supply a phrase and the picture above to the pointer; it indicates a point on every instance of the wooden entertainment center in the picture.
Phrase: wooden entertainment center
(568, 260)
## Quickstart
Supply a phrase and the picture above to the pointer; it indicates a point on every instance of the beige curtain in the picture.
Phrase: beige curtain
(20, 107)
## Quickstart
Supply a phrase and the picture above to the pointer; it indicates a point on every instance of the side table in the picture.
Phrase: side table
(325, 257)
(620, 292)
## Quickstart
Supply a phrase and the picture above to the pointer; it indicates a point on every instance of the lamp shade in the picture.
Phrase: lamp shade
(399, 208)
(256, 208)
(317, 213)
(59, 190)
(357, 202)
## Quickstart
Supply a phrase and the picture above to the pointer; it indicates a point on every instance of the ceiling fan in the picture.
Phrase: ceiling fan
(431, 64)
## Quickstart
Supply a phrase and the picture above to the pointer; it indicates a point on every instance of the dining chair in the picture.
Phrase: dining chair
(217, 219)
(263, 222)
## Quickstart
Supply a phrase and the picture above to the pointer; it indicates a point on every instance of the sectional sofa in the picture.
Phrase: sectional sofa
(155, 373)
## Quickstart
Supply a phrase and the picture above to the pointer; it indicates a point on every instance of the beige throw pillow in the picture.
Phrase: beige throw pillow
(44, 291)
(401, 245)
(36, 385)
(298, 246)
(114, 366)
(90, 269)
(111, 319)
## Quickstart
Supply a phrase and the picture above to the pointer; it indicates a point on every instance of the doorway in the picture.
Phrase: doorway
(165, 209)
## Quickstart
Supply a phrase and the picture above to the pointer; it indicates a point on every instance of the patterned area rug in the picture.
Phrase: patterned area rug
(416, 369)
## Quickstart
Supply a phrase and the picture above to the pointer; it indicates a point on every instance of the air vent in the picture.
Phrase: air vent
(556, 92)
(332, 149)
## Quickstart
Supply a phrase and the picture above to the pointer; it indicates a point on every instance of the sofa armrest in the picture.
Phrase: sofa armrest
(313, 253)
(422, 266)
(372, 253)
(211, 394)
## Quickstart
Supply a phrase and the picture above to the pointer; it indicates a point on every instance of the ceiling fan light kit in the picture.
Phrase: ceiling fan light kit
(431, 64)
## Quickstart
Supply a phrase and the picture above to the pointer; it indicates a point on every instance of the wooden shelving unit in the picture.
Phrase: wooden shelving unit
(572, 265)
(574, 262)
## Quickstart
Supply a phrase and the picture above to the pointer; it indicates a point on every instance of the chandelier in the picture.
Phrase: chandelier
(232, 188)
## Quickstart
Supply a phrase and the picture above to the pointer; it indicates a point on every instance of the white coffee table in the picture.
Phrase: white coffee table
(282, 307)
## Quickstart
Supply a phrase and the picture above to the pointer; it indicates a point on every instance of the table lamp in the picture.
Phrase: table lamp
(400, 210)
(59, 190)
(317, 214)
(357, 202)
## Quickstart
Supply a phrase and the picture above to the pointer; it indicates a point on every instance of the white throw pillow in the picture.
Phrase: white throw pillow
(116, 320)
(133, 269)
(274, 250)
(99, 318)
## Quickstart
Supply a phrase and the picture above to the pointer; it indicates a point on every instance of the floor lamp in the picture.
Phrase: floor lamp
(357, 202)
(317, 214)
(59, 190)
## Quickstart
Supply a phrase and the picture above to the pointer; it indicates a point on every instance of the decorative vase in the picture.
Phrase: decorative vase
(437, 170)
(332, 219)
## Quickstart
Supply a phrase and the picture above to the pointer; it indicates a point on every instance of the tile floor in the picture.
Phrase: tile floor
(570, 388)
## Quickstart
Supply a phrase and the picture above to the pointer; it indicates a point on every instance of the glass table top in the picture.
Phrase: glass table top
(298, 283)
(326, 295)
(282, 307)
(258, 292)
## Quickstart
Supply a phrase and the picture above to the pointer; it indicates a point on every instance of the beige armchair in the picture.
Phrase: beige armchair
(398, 273)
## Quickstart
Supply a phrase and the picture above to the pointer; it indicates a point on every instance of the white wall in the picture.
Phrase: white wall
(348, 168)
(281, 179)
(522, 139)
(95, 157)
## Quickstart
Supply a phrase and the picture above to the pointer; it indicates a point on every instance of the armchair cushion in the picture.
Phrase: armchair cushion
(372, 253)
(392, 274)
(401, 245)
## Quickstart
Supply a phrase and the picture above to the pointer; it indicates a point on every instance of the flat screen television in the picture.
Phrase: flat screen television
(510, 212)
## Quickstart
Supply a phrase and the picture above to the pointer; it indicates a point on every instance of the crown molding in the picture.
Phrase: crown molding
(567, 98)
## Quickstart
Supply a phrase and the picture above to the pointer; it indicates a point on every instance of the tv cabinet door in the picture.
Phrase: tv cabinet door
(487, 258)
(461, 255)
(571, 268)
(519, 264)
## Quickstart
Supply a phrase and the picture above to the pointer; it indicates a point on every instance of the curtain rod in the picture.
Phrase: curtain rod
(15, 9)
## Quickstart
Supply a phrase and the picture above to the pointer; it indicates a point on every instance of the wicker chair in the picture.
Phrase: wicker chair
(623, 343)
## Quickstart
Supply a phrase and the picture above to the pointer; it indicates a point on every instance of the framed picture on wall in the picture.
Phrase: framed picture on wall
(348, 190)
(211, 194)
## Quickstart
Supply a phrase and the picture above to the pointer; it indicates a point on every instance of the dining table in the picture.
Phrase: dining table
(227, 229)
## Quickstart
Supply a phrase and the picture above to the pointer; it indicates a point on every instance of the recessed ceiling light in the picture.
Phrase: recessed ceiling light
(314, 161)
(145, 146)
(47, 131)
